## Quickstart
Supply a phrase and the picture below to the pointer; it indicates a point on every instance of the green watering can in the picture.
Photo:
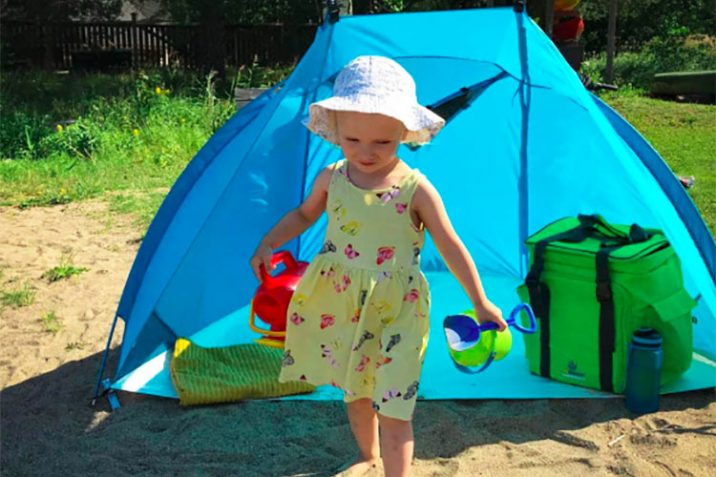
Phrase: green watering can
(472, 344)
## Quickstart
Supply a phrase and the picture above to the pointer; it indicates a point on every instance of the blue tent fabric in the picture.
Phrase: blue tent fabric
(531, 147)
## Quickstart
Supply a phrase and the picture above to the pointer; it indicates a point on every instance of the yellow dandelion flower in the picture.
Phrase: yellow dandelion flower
(135, 132)
(158, 90)
(59, 128)
(62, 191)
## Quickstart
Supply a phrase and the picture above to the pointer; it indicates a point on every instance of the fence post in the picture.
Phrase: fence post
(47, 45)
(133, 36)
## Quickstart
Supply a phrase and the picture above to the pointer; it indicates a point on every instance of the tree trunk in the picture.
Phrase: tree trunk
(611, 41)
(362, 7)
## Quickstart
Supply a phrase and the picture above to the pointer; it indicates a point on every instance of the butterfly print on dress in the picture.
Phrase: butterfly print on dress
(388, 195)
(384, 254)
(394, 340)
(327, 320)
(297, 319)
(287, 359)
(412, 296)
(367, 335)
(327, 353)
(391, 393)
(364, 360)
(412, 390)
(350, 252)
(328, 246)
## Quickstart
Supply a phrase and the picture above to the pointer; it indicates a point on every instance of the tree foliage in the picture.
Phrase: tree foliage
(639, 21)
(59, 10)
(248, 11)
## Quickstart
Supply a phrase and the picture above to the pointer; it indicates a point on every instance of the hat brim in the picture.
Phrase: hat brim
(421, 123)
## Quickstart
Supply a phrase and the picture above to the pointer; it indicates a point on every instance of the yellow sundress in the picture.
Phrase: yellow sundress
(359, 318)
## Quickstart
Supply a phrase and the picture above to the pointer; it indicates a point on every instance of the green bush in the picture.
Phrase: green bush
(659, 55)
(70, 137)
(48, 115)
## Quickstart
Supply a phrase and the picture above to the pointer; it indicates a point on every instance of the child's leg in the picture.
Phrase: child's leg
(364, 424)
(396, 446)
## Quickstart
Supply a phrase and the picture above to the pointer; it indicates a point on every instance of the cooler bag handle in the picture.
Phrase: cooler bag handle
(596, 223)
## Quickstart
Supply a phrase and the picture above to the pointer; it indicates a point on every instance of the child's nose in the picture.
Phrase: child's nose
(368, 150)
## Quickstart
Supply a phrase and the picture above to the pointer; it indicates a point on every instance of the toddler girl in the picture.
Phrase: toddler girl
(359, 318)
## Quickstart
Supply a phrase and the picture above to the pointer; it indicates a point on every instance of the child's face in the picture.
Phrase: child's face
(369, 141)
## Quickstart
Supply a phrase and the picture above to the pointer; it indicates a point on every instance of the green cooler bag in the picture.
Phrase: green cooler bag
(591, 284)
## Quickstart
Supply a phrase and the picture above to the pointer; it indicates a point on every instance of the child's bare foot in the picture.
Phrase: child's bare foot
(359, 467)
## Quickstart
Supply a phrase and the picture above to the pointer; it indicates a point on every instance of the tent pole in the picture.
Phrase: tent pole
(104, 362)
(522, 184)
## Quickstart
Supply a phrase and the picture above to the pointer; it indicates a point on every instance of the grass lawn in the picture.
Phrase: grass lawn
(685, 136)
(127, 138)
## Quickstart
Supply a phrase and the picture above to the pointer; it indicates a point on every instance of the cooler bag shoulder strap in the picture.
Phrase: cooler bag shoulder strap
(606, 319)
(607, 333)
(539, 291)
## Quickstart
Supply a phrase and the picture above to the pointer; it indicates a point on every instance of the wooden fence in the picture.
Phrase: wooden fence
(123, 45)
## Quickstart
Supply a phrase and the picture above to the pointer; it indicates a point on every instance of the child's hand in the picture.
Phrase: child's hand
(262, 256)
(487, 311)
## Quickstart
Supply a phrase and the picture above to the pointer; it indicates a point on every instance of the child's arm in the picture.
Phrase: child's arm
(293, 223)
(430, 209)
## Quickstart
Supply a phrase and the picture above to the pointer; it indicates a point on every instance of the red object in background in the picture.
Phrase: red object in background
(567, 27)
(273, 295)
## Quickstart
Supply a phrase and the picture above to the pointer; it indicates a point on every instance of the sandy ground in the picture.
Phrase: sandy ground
(47, 427)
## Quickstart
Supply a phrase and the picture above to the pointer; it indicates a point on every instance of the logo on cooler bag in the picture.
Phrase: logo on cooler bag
(572, 372)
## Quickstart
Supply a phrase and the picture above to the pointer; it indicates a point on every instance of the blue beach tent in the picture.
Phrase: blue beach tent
(525, 144)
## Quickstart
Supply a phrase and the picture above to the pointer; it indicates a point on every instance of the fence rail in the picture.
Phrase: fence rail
(123, 45)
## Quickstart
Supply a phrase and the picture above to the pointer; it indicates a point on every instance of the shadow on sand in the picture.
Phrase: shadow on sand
(48, 428)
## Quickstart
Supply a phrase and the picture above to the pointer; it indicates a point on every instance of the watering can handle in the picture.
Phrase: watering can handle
(530, 315)
(282, 256)
(512, 320)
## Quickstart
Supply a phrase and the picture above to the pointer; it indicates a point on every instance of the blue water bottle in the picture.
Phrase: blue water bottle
(644, 363)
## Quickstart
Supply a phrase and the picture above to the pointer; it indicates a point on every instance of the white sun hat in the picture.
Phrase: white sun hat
(379, 85)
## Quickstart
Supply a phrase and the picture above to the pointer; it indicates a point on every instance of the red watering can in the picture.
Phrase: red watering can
(272, 297)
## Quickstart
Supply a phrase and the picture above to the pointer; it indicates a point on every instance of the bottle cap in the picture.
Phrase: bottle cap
(647, 338)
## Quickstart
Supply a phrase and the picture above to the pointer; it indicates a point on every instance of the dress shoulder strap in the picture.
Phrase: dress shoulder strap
(410, 183)
(337, 169)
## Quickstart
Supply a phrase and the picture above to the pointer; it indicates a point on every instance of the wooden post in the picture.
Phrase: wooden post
(544, 10)
(611, 41)
(134, 41)
(548, 17)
